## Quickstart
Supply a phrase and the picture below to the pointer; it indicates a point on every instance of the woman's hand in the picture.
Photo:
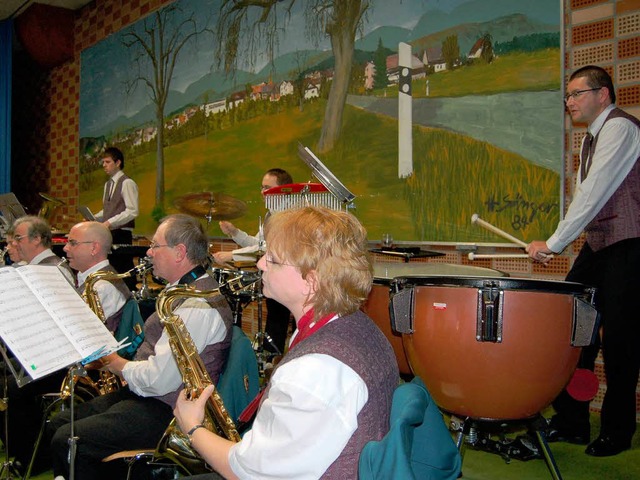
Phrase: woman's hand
(189, 413)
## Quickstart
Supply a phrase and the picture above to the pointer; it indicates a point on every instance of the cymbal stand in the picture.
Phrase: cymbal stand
(259, 337)
(8, 469)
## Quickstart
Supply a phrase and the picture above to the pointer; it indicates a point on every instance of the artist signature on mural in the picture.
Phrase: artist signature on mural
(523, 211)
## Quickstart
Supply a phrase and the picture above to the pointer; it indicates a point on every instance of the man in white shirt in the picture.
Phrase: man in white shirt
(120, 198)
(606, 206)
(278, 317)
(119, 208)
(136, 416)
(31, 237)
(88, 245)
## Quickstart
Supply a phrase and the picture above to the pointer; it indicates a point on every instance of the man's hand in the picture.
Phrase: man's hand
(228, 228)
(539, 252)
(223, 258)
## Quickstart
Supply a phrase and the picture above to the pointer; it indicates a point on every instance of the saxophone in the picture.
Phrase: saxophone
(108, 382)
(174, 445)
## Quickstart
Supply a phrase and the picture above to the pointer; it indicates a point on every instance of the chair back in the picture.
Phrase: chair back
(240, 381)
(418, 444)
(131, 326)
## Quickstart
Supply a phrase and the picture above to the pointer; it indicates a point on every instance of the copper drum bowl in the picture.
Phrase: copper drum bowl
(377, 304)
(495, 348)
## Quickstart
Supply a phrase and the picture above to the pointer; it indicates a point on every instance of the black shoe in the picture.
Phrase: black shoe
(606, 446)
(569, 436)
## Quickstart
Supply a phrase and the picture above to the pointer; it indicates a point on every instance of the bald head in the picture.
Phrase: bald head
(88, 244)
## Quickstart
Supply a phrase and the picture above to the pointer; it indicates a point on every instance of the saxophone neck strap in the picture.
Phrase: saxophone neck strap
(192, 275)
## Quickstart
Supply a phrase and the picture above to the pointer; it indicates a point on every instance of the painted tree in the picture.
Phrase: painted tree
(450, 50)
(487, 48)
(255, 24)
(155, 48)
(380, 61)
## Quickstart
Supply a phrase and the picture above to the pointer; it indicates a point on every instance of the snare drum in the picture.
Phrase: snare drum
(377, 304)
(492, 348)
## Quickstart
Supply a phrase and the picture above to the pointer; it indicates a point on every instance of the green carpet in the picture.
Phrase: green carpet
(571, 460)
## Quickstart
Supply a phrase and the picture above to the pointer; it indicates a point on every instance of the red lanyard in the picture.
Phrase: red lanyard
(306, 328)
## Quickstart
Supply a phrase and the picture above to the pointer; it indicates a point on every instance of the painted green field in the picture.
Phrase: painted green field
(454, 177)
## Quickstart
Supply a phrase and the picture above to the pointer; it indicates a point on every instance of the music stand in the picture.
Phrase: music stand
(10, 209)
(8, 469)
(324, 175)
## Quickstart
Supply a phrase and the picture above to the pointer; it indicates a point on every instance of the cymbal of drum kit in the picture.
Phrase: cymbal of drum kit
(210, 205)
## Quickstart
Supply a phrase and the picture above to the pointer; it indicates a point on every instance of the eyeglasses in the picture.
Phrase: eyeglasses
(75, 243)
(17, 238)
(155, 246)
(575, 95)
(269, 259)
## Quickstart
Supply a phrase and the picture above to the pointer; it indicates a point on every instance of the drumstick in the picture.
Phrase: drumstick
(476, 256)
(475, 218)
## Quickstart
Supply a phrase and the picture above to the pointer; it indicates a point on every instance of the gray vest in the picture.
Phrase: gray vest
(373, 359)
(112, 321)
(214, 356)
(619, 219)
(58, 262)
(115, 205)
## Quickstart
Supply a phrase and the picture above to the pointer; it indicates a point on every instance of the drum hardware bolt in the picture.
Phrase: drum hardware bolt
(472, 438)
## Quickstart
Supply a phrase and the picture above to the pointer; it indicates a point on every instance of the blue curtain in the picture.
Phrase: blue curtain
(6, 29)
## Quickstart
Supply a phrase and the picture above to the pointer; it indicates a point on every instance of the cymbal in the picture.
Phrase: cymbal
(212, 206)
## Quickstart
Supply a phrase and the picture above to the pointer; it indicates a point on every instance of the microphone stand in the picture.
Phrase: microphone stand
(80, 371)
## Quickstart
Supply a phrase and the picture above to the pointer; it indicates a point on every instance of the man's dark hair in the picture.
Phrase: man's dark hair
(282, 176)
(596, 77)
(115, 154)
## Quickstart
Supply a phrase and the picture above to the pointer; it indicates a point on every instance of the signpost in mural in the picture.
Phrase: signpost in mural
(245, 85)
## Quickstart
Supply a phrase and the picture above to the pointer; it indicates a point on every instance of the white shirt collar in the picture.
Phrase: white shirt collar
(596, 125)
(41, 256)
(82, 276)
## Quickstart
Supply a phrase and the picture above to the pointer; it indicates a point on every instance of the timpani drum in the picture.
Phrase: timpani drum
(492, 348)
(377, 304)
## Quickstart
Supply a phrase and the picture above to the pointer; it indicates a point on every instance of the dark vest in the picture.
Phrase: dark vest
(619, 219)
(112, 321)
(214, 356)
(373, 359)
(115, 205)
(58, 262)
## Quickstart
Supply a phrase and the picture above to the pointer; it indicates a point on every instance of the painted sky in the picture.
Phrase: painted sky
(106, 66)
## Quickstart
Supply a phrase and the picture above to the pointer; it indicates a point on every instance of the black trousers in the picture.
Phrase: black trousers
(24, 417)
(123, 263)
(615, 272)
(105, 425)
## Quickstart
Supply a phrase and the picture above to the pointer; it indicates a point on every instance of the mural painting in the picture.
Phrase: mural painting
(203, 97)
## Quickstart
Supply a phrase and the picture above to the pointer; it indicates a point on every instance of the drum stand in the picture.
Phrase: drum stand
(471, 429)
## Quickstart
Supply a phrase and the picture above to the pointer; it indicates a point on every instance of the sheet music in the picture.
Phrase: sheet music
(45, 322)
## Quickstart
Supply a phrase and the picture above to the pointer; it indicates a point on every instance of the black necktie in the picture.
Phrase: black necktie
(110, 189)
(585, 156)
